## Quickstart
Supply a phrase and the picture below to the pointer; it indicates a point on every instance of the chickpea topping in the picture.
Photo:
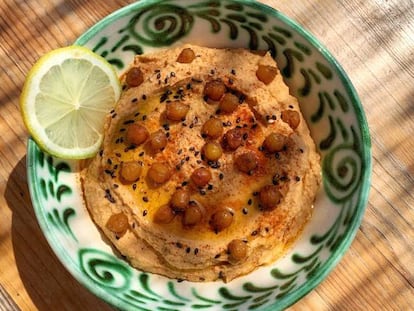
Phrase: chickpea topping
(212, 151)
(233, 138)
(134, 77)
(130, 172)
(136, 134)
(269, 197)
(237, 250)
(212, 128)
(291, 117)
(266, 74)
(246, 162)
(186, 56)
(228, 103)
(159, 173)
(214, 90)
(179, 200)
(164, 215)
(221, 219)
(158, 141)
(274, 142)
(193, 215)
(118, 223)
(201, 176)
(176, 111)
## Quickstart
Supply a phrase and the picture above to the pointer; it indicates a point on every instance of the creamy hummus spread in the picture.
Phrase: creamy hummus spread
(207, 170)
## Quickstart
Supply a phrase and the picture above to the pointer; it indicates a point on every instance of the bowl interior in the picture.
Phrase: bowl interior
(330, 106)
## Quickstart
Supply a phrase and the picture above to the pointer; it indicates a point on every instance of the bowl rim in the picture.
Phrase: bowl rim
(366, 152)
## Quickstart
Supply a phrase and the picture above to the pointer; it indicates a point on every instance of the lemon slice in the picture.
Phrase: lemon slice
(65, 99)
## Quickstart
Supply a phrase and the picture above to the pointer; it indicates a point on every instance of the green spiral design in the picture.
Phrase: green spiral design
(161, 24)
(342, 168)
(105, 270)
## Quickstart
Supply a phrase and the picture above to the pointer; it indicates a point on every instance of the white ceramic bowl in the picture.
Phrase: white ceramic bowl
(329, 104)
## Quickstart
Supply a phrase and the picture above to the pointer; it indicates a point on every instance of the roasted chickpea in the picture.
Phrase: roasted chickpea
(233, 138)
(269, 197)
(237, 250)
(228, 103)
(164, 215)
(201, 176)
(158, 141)
(266, 74)
(136, 134)
(193, 214)
(214, 90)
(274, 142)
(221, 219)
(246, 162)
(212, 128)
(187, 55)
(130, 171)
(212, 151)
(159, 173)
(134, 77)
(176, 111)
(179, 200)
(118, 223)
(291, 117)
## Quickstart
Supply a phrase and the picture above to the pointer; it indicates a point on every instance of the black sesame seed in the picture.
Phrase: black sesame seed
(254, 233)
(277, 155)
(145, 199)
(134, 186)
(145, 213)
(184, 183)
(221, 176)
(196, 251)
(245, 136)
(109, 161)
(210, 187)
(217, 256)
(134, 100)
(141, 153)
(245, 211)
(144, 97)
(188, 250)
(250, 201)
(179, 245)
(233, 72)
(297, 178)
(144, 117)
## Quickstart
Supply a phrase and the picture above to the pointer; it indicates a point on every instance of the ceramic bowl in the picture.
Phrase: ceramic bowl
(330, 106)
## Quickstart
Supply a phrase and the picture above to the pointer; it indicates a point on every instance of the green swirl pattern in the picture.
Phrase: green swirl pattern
(330, 109)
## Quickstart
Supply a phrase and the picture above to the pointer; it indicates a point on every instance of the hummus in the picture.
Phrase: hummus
(207, 170)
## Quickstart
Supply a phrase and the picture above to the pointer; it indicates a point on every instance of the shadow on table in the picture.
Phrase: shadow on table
(48, 283)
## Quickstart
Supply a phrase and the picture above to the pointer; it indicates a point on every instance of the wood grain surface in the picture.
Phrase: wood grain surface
(372, 39)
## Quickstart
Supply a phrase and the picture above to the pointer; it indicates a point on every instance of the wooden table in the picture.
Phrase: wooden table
(372, 39)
